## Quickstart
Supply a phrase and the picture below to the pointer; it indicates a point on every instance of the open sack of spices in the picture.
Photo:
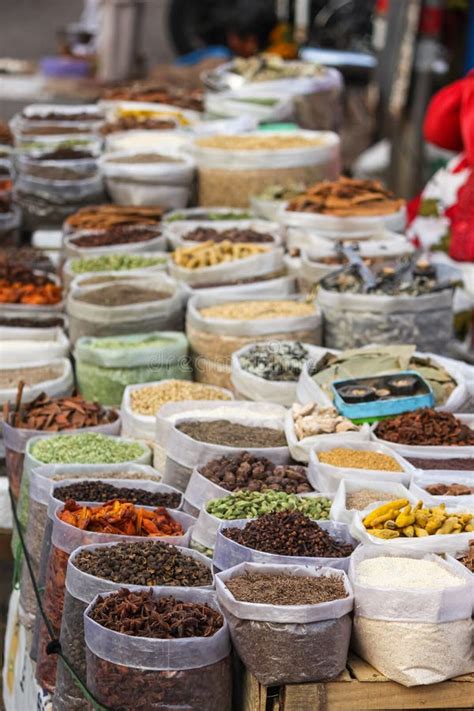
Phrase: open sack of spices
(100, 568)
(106, 366)
(25, 289)
(220, 429)
(234, 168)
(252, 504)
(46, 493)
(106, 216)
(116, 263)
(426, 527)
(363, 494)
(269, 371)
(346, 208)
(141, 403)
(310, 424)
(77, 524)
(49, 414)
(136, 304)
(21, 345)
(453, 488)
(242, 471)
(53, 376)
(283, 538)
(412, 303)
(185, 664)
(236, 231)
(332, 461)
(148, 178)
(217, 326)
(289, 623)
(413, 615)
(446, 380)
(118, 238)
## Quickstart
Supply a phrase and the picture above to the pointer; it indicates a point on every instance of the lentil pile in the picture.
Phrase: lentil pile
(121, 295)
(288, 533)
(114, 263)
(233, 235)
(144, 563)
(265, 589)
(145, 158)
(426, 427)
(246, 471)
(86, 448)
(250, 504)
(359, 459)
(253, 310)
(232, 434)
(279, 361)
(101, 491)
(259, 142)
(10, 377)
(148, 399)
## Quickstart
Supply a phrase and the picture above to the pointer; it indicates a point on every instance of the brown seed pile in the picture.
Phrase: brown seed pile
(246, 471)
(451, 464)
(265, 589)
(359, 500)
(426, 426)
(232, 434)
(203, 234)
(359, 459)
(140, 614)
(288, 533)
(118, 234)
(121, 295)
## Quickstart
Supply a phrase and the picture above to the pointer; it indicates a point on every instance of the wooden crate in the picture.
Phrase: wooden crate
(359, 688)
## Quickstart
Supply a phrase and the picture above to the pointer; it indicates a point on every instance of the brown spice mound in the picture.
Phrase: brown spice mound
(119, 295)
(426, 426)
(140, 614)
(232, 434)
(265, 589)
(288, 533)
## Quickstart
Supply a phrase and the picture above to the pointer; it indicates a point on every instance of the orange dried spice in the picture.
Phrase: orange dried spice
(121, 518)
(18, 293)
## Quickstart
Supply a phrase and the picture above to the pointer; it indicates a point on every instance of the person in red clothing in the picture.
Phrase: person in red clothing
(443, 215)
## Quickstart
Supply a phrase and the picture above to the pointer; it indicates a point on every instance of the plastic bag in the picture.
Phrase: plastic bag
(286, 644)
(81, 589)
(42, 489)
(414, 636)
(228, 553)
(20, 346)
(354, 320)
(422, 479)
(300, 449)
(258, 389)
(62, 384)
(339, 510)
(326, 477)
(144, 426)
(156, 243)
(177, 674)
(15, 440)
(65, 539)
(273, 288)
(94, 320)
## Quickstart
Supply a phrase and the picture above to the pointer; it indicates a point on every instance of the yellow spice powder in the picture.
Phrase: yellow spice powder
(147, 400)
(359, 459)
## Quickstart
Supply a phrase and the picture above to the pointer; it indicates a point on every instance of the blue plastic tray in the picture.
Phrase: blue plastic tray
(376, 409)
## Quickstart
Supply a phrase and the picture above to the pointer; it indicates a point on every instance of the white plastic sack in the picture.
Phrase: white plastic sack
(355, 320)
(157, 243)
(159, 173)
(437, 476)
(246, 327)
(431, 451)
(326, 477)
(414, 636)
(21, 346)
(279, 287)
(179, 673)
(140, 426)
(149, 140)
(234, 104)
(228, 553)
(258, 389)
(300, 449)
(94, 320)
(343, 228)
(175, 232)
(61, 385)
(339, 510)
(283, 644)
